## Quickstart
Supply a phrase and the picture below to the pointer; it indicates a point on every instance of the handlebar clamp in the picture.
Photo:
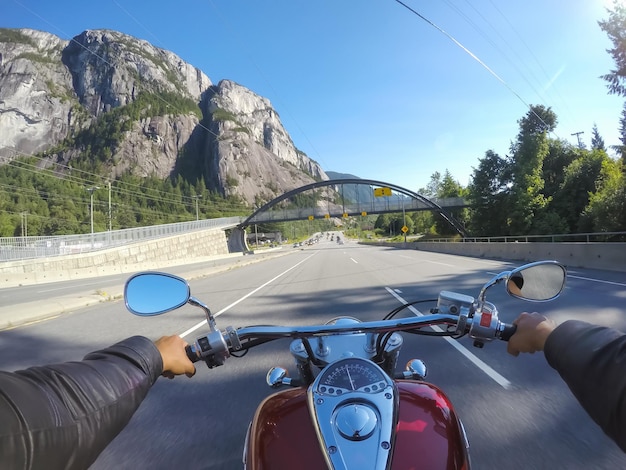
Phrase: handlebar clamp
(233, 338)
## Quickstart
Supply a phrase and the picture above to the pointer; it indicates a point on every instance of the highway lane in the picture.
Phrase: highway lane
(201, 422)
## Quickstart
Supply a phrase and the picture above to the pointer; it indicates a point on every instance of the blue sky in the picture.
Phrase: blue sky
(369, 88)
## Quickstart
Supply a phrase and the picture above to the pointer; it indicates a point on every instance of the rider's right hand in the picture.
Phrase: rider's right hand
(532, 331)
(175, 360)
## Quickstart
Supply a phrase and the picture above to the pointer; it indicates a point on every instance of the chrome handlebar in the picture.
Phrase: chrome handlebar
(216, 346)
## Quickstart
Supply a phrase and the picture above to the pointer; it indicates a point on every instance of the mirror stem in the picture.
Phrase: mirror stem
(209, 316)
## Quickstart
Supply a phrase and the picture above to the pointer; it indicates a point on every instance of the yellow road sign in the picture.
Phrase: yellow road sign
(405, 229)
(311, 217)
(345, 215)
(363, 213)
(327, 216)
(384, 191)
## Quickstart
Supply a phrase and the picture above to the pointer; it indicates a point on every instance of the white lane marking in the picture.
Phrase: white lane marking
(228, 307)
(427, 261)
(355, 261)
(442, 264)
(499, 379)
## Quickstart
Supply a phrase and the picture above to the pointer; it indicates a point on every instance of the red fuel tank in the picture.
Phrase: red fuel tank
(428, 433)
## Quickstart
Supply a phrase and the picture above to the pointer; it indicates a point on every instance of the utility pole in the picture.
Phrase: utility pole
(24, 216)
(110, 213)
(91, 190)
(196, 197)
(577, 134)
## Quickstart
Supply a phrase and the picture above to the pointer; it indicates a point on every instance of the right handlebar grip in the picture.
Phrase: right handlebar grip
(191, 354)
(508, 331)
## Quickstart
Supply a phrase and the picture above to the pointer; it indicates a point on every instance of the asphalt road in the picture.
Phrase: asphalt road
(200, 423)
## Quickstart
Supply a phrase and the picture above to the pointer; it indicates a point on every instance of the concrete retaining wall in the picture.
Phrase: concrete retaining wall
(610, 256)
(145, 255)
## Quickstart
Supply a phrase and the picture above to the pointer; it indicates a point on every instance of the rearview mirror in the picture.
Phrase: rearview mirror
(153, 293)
(537, 282)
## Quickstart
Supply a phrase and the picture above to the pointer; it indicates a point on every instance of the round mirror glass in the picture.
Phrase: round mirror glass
(155, 293)
(537, 281)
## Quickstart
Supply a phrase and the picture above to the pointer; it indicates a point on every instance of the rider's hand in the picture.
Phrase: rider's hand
(532, 331)
(175, 360)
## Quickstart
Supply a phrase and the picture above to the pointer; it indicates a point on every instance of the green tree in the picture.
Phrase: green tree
(597, 142)
(382, 223)
(450, 188)
(528, 153)
(606, 211)
(560, 155)
(615, 28)
(489, 193)
(621, 147)
(580, 180)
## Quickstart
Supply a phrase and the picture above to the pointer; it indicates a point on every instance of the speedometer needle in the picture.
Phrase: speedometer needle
(350, 378)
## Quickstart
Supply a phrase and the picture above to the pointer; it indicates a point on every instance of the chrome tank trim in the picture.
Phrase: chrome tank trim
(355, 427)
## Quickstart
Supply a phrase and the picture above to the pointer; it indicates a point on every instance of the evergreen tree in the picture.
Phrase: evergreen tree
(489, 193)
(597, 142)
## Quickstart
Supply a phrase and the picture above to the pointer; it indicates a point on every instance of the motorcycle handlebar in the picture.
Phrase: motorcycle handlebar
(507, 331)
(191, 354)
(223, 343)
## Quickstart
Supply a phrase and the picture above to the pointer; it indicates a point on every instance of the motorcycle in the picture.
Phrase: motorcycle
(348, 408)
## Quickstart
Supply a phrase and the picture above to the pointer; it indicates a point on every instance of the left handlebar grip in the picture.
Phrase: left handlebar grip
(191, 353)
(507, 331)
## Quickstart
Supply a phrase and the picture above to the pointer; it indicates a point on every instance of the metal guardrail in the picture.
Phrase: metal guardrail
(595, 237)
(19, 248)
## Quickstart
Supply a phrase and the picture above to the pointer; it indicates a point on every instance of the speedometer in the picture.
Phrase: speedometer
(351, 374)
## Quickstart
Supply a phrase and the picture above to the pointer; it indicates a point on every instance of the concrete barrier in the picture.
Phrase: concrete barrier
(609, 256)
(145, 255)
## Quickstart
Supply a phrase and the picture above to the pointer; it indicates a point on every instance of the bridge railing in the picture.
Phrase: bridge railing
(18, 248)
(376, 205)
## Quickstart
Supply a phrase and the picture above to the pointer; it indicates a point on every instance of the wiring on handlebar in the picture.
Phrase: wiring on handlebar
(309, 351)
(381, 341)
(240, 355)
(397, 310)
(250, 343)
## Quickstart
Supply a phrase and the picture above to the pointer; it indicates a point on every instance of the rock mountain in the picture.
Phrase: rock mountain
(111, 103)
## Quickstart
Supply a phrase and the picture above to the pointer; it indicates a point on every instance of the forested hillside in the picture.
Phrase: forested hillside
(34, 201)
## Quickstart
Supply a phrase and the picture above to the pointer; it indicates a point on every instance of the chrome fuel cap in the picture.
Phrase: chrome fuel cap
(356, 421)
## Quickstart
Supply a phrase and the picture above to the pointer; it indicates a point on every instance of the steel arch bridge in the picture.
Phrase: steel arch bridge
(357, 197)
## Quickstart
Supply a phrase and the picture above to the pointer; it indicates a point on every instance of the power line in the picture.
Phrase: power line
(476, 58)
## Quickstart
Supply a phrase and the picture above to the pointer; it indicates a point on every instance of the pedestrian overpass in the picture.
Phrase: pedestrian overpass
(343, 198)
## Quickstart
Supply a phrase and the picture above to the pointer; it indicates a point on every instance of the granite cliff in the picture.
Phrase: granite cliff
(113, 104)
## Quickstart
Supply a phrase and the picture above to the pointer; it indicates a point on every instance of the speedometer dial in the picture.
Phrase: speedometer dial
(348, 375)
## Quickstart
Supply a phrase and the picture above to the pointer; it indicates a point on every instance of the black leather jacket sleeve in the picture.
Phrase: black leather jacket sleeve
(592, 361)
(64, 415)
